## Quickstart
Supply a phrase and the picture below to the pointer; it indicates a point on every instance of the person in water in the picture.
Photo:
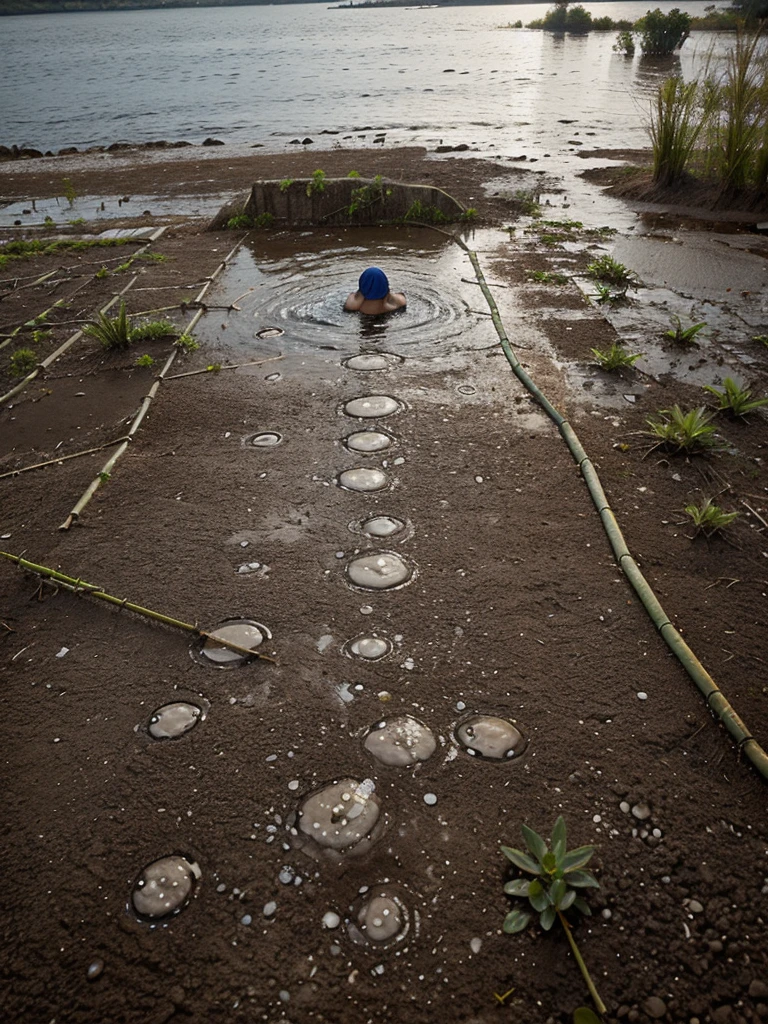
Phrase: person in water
(373, 295)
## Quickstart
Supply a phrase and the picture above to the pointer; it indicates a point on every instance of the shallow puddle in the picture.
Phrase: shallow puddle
(363, 479)
(371, 406)
(244, 633)
(164, 887)
(382, 526)
(400, 741)
(367, 441)
(380, 918)
(264, 439)
(489, 737)
(339, 815)
(173, 720)
(270, 332)
(372, 648)
(372, 361)
(381, 571)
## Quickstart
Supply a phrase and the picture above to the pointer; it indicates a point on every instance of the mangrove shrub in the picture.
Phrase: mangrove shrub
(661, 34)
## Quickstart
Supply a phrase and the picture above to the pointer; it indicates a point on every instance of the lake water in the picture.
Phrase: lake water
(272, 74)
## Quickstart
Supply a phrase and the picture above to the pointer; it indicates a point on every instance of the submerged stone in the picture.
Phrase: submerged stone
(382, 526)
(380, 920)
(368, 441)
(371, 361)
(173, 720)
(164, 887)
(370, 647)
(363, 479)
(371, 406)
(400, 741)
(341, 814)
(243, 632)
(381, 571)
(494, 738)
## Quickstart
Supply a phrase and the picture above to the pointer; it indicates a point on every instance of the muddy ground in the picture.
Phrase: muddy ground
(514, 608)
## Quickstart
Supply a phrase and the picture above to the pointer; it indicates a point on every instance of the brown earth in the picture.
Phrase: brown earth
(515, 608)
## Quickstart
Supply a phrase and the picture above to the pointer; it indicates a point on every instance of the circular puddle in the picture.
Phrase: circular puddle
(165, 887)
(339, 815)
(489, 737)
(269, 332)
(372, 361)
(400, 741)
(264, 439)
(382, 526)
(173, 720)
(273, 376)
(379, 918)
(372, 648)
(244, 632)
(367, 441)
(381, 571)
(371, 406)
(363, 479)
(466, 389)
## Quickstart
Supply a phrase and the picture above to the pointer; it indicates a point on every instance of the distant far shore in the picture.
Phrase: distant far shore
(16, 7)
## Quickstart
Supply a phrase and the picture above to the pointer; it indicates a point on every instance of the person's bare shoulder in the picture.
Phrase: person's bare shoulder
(354, 302)
(397, 300)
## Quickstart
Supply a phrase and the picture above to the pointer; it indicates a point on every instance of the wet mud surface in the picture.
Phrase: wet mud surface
(508, 675)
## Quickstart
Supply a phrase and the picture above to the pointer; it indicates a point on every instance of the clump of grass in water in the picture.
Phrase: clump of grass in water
(709, 518)
(683, 335)
(676, 122)
(606, 268)
(528, 200)
(734, 400)
(690, 432)
(23, 361)
(616, 357)
(558, 876)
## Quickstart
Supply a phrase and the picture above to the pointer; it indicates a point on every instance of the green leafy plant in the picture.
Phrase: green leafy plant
(469, 215)
(606, 268)
(661, 34)
(69, 192)
(49, 222)
(604, 294)
(213, 367)
(424, 213)
(528, 201)
(558, 877)
(709, 518)
(690, 432)
(683, 335)
(366, 195)
(151, 330)
(113, 333)
(316, 183)
(145, 360)
(762, 338)
(77, 222)
(353, 174)
(105, 477)
(240, 221)
(735, 400)
(40, 335)
(625, 43)
(264, 220)
(546, 277)
(187, 343)
(616, 357)
(23, 361)
(285, 184)
(103, 272)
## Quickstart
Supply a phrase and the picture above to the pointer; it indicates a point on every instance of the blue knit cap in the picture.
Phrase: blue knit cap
(373, 283)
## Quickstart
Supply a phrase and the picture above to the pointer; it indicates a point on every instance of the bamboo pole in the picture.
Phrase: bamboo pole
(61, 458)
(706, 685)
(106, 470)
(77, 586)
(230, 366)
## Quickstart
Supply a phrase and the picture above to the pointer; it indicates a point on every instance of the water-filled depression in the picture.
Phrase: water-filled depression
(487, 736)
(372, 648)
(245, 633)
(363, 479)
(381, 571)
(368, 441)
(379, 919)
(164, 887)
(173, 720)
(400, 741)
(370, 407)
(339, 815)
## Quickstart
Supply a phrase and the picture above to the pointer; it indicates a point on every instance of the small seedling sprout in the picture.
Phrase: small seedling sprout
(616, 357)
(708, 518)
(555, 888)
(690, 432)
(734, 400)
(683, 335)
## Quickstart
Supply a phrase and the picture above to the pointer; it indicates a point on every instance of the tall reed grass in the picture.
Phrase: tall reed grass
(716, 125)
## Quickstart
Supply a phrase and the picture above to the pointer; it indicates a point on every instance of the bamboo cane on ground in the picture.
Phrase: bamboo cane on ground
(79, 586)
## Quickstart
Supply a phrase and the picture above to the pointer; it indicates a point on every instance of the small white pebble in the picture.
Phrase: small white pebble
(430, 799)
(596, 818)
(642, 696)
(246, 919)
(475, 945)
(331, 920)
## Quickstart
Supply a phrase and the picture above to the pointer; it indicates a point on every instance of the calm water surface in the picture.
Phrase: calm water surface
(271, 74)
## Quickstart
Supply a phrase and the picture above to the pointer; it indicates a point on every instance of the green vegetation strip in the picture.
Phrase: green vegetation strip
(78, 586)
(715, 699)
(106, 471)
